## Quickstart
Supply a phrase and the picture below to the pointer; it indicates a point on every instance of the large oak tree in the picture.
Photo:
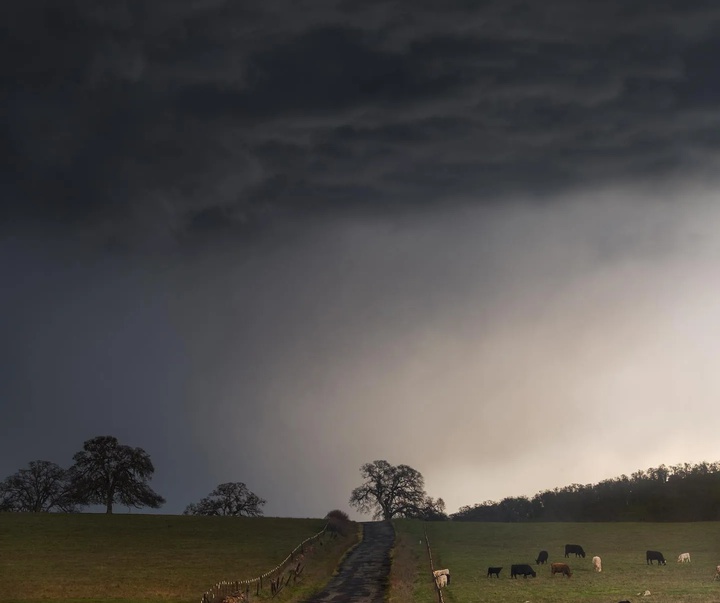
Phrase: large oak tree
(107, 473)
(394, 491)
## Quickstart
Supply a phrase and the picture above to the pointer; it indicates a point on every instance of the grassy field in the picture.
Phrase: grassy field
(467, 549)
(156, 558)
(151, 558)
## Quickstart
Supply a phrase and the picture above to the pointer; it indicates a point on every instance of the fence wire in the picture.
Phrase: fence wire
(227, 588)
(441, 599)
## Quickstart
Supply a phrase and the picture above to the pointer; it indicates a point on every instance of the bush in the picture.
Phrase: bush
(337, 514)
(338, 522)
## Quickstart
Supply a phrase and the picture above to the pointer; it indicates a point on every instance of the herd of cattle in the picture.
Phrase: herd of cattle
(442, 577)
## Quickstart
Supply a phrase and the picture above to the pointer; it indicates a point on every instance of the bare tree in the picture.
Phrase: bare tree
(43, 486)
(231, 498)
(390, 491)
(432, 510)
(107, 472)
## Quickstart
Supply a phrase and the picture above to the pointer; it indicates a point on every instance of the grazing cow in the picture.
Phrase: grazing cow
(574, 548)
(597, 563)
(542, 557)
(494, 571)
(522, 569)
(560, 568)
(442, 577)
(684, 558)
(651, 556)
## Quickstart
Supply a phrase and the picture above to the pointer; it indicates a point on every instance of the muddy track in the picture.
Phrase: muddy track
(363, 574)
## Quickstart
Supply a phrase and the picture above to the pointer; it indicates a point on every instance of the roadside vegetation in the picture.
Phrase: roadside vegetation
(152, 558)
(468, 548)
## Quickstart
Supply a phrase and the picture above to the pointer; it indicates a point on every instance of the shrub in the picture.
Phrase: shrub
(337, 514)
(338, 522)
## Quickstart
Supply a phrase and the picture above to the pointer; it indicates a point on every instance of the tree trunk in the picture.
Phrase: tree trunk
(109, 504)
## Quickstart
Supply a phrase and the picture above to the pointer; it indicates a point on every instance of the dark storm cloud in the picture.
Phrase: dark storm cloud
(504, 211)
(176, 118)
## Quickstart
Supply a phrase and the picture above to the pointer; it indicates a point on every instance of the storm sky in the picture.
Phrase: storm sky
(271, 241)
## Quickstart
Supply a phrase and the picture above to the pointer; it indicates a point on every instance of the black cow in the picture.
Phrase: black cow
(651, 556)
(542, 557)
(494, 571)
(522, 569)
(574, 548)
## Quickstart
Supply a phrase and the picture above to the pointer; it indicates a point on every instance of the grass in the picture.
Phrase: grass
(409, 570)
(468, 548)
(152, 558)
(155, 558)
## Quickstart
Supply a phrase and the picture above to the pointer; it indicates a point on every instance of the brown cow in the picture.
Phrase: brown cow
(560, 568)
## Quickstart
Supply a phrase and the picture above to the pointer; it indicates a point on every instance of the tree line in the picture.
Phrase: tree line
(106, 472)
(681, 492)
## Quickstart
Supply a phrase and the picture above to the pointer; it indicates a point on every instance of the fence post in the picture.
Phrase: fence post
(441, 599)
(220, 588)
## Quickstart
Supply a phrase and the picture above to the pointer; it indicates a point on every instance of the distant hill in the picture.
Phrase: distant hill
(677, 493)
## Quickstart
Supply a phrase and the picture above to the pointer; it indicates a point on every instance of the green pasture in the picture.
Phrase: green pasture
(151, 558)
(467, 549)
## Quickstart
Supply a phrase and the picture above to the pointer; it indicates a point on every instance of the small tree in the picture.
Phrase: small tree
(432, 510)
(232, 498)
(389, 491)
(42, 487)
(107, 473)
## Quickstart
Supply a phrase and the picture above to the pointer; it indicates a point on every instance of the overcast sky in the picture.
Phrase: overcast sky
(271, 241)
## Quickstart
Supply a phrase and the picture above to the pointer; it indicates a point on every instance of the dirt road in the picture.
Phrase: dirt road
(363, 575)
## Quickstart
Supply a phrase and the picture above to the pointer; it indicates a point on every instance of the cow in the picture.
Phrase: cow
(574, 548)
(651, 556)
(684, 558)
(560, 568)
(717, 573)
(494, 571)
(542, 557)
(522, 569)
(597, 563)
(442, 577)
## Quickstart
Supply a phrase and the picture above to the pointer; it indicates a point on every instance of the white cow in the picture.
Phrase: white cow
(597, 563)
(684, 558)
(442, 577)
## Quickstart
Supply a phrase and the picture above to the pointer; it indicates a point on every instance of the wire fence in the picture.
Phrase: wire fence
(441, 599)
(276, 578)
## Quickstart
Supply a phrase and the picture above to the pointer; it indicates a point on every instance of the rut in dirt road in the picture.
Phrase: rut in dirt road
(363, 575)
